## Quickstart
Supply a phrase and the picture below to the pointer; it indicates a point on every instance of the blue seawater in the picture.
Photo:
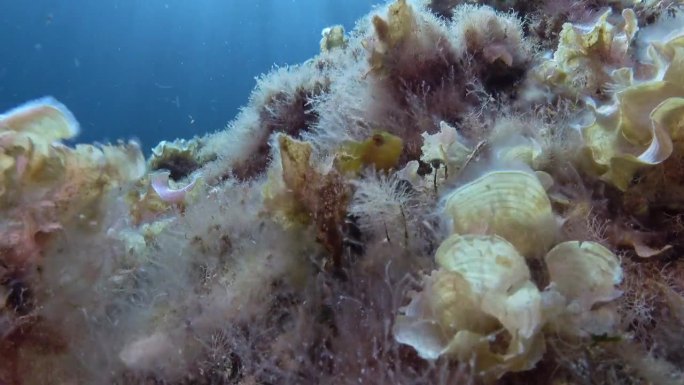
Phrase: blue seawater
(155, 69)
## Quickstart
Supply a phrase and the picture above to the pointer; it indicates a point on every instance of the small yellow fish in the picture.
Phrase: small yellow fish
(381, 150)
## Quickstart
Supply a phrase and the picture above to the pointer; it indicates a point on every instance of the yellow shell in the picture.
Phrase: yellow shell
(487, 262)
(511, 204)
(497, 276)
(456, 307)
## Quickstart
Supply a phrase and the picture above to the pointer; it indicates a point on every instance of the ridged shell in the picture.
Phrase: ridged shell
(527, 153)
(481, 291)
(487, 262)
(511, 204)
(481, 288)
(456, 307)
(496, 280)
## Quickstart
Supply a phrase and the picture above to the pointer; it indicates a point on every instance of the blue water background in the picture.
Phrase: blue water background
(155, 69)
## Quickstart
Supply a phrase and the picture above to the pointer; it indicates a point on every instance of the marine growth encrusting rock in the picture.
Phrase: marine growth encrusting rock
(449, 193)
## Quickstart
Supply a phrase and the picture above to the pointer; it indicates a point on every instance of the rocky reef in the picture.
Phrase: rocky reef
(454, 192)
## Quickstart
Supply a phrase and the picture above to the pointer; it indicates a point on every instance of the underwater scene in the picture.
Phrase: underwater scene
(424, 192)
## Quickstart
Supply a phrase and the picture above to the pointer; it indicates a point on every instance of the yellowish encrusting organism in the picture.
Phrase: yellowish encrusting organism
(390, 33)
(640, 128)
(45, 184)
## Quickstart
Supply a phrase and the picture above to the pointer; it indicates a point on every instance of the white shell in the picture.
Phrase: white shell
(584, 272)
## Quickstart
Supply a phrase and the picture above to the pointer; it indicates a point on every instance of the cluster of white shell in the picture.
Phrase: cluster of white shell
(482, 305)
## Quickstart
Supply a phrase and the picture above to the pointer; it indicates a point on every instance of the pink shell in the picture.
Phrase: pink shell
(160, 184)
